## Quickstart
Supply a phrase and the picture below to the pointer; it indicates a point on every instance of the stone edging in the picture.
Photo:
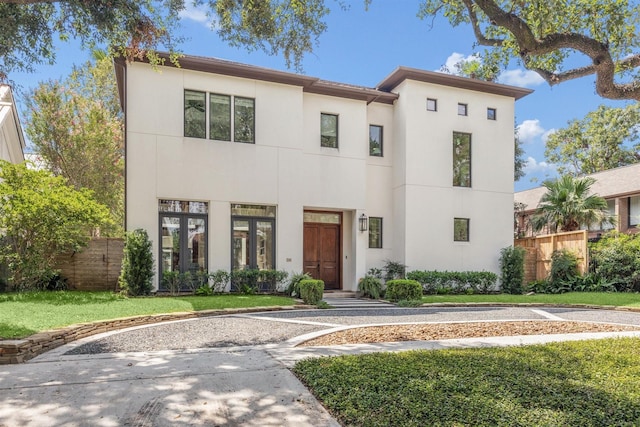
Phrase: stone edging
(21, 350)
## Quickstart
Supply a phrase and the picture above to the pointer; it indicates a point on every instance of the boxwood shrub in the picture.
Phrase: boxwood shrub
(403, 289)
(311, 291)
(454, 282)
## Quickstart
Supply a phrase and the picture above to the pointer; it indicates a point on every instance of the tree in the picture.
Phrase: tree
(41, 216)
(567, 205)
(550, 36)
(519, 161)
(598, 142)
(137, 28)
(137, 264)
(76, 128)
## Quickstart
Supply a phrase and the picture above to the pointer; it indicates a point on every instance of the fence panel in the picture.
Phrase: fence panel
(96, 268)
(545, 246)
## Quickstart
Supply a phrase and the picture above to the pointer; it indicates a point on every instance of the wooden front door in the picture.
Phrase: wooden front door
(322, 253)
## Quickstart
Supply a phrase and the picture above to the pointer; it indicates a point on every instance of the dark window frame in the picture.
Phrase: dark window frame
(379, 244)
(235, 119)
(492, 113)
(435, 104)
(184, 113)
(466, 109)
(381, 154)
(337, 144)
(466, 237)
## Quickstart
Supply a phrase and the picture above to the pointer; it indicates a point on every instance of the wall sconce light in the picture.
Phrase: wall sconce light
(364, 222)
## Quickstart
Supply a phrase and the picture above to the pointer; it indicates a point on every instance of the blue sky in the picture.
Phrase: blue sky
(362, 47)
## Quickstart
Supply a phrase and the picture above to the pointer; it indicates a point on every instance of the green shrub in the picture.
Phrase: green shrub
(270, 280)
(311, 291)
(172, 282)
(512, 269)
(245, 281)
(370, 287)
(203, 291)
(450, 282)
(564, 271)
(403, 289)
(218, 280)
(615, 259)
(394, 270)
(591, 282)
(137, 264)
(293, 288)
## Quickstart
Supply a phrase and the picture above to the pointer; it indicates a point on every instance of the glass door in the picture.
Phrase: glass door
(253, 244)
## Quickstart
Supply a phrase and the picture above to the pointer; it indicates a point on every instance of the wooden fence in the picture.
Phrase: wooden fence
(537, 264)
(96, 267)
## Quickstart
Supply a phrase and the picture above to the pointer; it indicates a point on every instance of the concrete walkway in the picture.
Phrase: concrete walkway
(230, 385)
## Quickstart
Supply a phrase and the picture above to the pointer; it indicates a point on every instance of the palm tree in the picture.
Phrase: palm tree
(567, 205)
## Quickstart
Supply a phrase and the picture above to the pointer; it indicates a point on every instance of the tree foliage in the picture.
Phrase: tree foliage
(137, 264)
(138, 28)
(603, 140)
(41, 216)
(76, 129)
(551, 36)
(568, 205)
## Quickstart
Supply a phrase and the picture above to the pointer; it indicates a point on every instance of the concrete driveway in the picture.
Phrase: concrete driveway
(224, 371)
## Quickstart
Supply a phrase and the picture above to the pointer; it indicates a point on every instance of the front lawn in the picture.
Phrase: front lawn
(625, 299)
(588, 383)
(24, 314)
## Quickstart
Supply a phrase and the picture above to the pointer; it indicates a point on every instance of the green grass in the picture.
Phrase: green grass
(595, 298)
(24, 314)
(588, 383)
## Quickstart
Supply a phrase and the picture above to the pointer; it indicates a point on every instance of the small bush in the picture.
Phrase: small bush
(370, 287)
(293, 288)
(137, 264)
(245, 281)
(403, 289)
(271, 280)
(615, 259)
(203, 291)
(512, 269)
(394, 270)
(55, 282)
(172, 282)
(311, 291)
(323, 305)
(564, 271)
(451, 282)
(218, 280)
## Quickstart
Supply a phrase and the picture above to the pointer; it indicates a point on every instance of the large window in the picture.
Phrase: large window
(329, 130)
(183, 236)
(634, 211)
(253, 243)
(229, 118)
(375, 232)
(375, 140)
(461, 229)
(461, 159)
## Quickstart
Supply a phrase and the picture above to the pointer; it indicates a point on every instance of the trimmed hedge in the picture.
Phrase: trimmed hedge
(403, 289)
(311, 291)
(452, 282)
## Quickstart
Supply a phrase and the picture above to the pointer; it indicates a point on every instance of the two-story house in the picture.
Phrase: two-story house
(233, 166)
(12, 142)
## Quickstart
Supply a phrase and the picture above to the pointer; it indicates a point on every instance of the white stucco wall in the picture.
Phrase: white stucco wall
(11, 139)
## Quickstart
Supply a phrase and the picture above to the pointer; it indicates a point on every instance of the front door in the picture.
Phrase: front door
(322, 253)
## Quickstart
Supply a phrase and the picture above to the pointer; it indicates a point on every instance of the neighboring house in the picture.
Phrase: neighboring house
(620, 187)
(232, 166)
(12, 142)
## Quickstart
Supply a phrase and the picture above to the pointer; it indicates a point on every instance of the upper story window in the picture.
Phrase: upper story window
(491, 114)
(230, 118)
(432, 104)
(375, 140)
(375, 232)
(329, 130)
(461, 159)
(462, 109)
(461, 229)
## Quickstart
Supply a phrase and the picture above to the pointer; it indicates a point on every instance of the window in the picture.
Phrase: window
(194, 114)
(253, 244)
(375, 232)
(461, 159)
(375, 140)
(462, 109)
(432, 104)
(634, 211)
(183, 236)
(461, 229)
(329, 130)
(491, 114)
(221, 108)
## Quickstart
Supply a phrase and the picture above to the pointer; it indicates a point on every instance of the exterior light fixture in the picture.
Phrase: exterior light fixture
(364, 222)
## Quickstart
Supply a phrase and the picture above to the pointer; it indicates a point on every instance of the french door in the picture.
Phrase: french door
(253, 243)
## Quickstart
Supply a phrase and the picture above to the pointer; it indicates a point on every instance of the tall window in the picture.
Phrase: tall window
(375, 232)
(461, 159)
(329, 130)
(375, 140)
(229, 118)
(461, 229)
(253, 243)
(634, 211)
(183, 236)
(195, 119)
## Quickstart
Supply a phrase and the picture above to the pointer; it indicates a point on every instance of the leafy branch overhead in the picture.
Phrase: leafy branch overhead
(548, 37)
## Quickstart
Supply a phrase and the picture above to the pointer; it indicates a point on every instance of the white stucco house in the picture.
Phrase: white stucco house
(233, 166)
(12, 142)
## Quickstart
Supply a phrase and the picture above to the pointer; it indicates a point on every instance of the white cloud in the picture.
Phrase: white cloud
(532, 166)
(547, 134)
(529, 130)
(197, 14)
(449, 66)
(522, 78)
